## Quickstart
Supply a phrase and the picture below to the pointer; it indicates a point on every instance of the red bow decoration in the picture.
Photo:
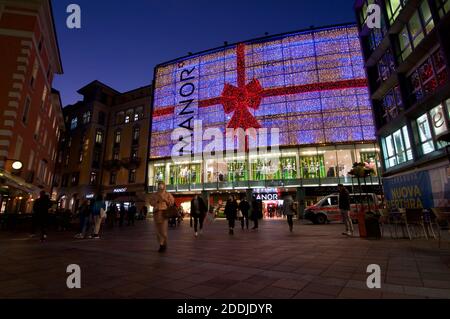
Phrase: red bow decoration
(238, 100)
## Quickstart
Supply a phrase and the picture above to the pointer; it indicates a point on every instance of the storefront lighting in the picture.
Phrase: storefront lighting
(312, 152)
(369, 150)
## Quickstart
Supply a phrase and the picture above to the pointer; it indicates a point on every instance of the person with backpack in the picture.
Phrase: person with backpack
(289, 210)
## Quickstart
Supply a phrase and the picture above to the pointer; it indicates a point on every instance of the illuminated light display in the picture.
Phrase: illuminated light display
(311, 85)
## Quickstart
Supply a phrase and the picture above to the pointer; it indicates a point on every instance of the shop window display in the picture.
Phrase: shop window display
(312, 166)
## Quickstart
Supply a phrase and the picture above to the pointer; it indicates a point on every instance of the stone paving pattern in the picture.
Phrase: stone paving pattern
(315, 261)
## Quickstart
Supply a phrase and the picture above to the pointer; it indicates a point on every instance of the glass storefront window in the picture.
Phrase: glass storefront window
(264, 168)
(312, 164)
(368, 156)
(426, 139)
(438, 120)
(331, 163)
(211, 171)
(159, 173)
(393, 8)
(396, 148)
(345, 157)
(288, 167)
(405, 45)
(237, 170)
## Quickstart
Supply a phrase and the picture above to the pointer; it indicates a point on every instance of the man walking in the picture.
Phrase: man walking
(198, 212)
(288, 210)
(244, 206)
(344, 206)
(40, 211)
(131, 214)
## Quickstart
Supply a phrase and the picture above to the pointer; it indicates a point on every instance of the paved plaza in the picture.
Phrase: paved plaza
(315, 261)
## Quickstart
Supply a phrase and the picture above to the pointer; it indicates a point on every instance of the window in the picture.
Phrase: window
(45, 138)
(37, 128)
(73, 123)
(44, 96)
(429, 76)
(129, 116)
(96, 158)
(99, 137)
(132, 176)
(65, 180)
(117, 136)
(75, 179)
(438, 123)
(120, 117)
(443, 7)
(134, 153)
(66, 162)
(80, 157)
(330, 201)
(34, 72)
(385, 66)
(136, 132)
(420, 24)
(31, 161)
(50, 110)
(86, 117)
(26, 110)
(426, 139)
(396, 148)
(113, 178)
(101, 118)
(93, 178)
(139, 113)
(392, 104)
(116, 154)
(393, 8)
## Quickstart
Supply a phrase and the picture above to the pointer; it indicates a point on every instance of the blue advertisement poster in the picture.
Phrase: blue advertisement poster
(409, 191)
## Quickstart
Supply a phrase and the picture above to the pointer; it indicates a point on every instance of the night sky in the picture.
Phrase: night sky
(120, 42)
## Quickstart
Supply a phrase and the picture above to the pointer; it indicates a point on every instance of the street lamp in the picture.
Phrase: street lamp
(16, 164)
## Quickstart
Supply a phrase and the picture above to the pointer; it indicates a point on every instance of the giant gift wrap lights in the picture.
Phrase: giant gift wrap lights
(311, 85)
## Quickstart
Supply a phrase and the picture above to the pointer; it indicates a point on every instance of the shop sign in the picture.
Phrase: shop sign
(88, 196)
(120, 190)
(266, 193)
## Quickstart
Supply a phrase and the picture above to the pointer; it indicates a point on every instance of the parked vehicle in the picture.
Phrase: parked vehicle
(327, 208)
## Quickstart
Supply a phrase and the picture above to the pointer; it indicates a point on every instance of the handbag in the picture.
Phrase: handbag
(239, 214)
(171, 212)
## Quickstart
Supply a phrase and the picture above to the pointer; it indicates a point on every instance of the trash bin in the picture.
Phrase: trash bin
(372, 225)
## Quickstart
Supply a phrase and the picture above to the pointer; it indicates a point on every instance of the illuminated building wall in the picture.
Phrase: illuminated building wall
(309, 84)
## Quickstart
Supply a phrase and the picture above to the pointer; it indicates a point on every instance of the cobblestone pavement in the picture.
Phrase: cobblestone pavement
(315, 261)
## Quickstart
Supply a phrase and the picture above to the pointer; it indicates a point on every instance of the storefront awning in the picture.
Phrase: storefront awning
(17, 183)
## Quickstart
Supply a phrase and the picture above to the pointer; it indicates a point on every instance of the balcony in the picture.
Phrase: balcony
(131, 162)
(112, 165)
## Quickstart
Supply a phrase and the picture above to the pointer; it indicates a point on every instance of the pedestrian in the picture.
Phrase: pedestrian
(121, 214)
(244, 206)
(111, 215)
(256, 212)
(98, 205)
(344, 206)
(198, 213)
(84, 212)
(161, 200)
(131, 214)
(288, 210)
(40, 213)
(231, 208)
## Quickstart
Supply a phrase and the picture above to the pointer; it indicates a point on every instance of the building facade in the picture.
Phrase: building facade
(30, 112)
(104, 146)
(407, 64)
(308, 86)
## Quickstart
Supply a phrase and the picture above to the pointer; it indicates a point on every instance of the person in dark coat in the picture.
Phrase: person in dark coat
(121, 214)
(40, 213)
(131, 214)
(288, 210)
(344, 206)
(198, 212)
(231, 208)
(85, 217)
(244, 206)
(256, 212)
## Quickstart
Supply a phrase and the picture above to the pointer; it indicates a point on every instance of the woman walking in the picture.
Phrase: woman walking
(161, 201)
(85, 216)
(198, 213)
(99, 204)
(231, 208)
(288, 210)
